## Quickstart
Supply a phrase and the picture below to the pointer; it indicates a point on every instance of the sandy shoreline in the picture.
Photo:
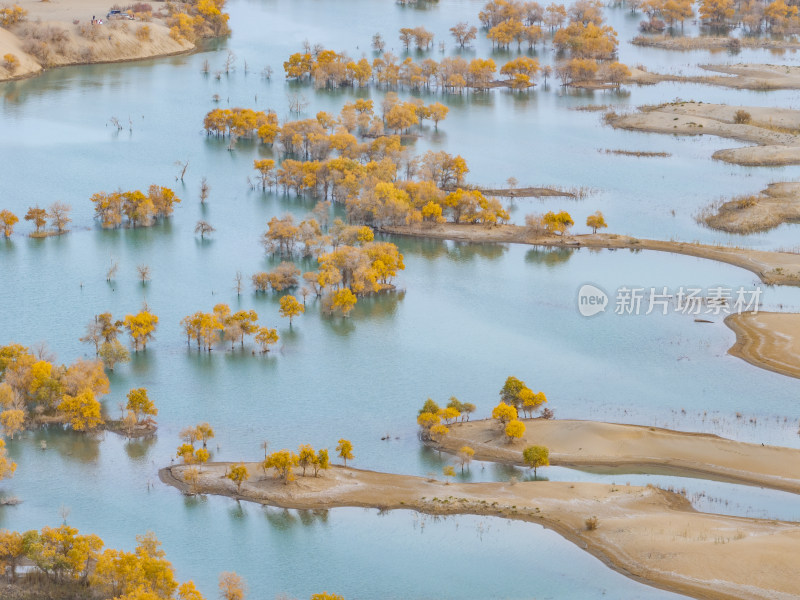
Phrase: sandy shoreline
(751, 76)
(773, 130)
(768, 340)
(114, 41)
(777, 268)
(646, 533)
(594, 444)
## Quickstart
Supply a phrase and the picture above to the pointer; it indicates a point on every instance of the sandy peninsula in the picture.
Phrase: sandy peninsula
(773, 130)
(634, 447)
(669, 42)
(740, 76)
(768, 340)
(59, 33)
(646, 533)
(776, 268)
(778, 204)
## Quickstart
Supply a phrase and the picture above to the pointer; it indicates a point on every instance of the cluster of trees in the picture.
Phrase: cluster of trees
(661, 11)
(515, 393)
(221, 326)
(351, 263)
(452, 74)
(326, 134)
(11, 15)
(778, 16)
(136, 208)
(422, 38)
(198, 19)
(139, 411)
(103, 333)
(283, 462)
(433, 421)
(57, 215)
(579, 33)
(63, 555)
(506, 415)
(380, 182)
(187, 451)
(560, 222)
(32, 388)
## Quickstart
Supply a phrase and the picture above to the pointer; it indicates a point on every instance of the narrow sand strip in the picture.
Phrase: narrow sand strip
(776, 268)
(645, 533)
(593, 444)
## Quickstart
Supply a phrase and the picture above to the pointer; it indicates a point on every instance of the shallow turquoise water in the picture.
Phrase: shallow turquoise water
(464, 318)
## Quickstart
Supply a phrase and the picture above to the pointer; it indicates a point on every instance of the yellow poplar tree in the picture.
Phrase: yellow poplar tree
(290, 307)
(345, 450)
(82, 411)
(238, 474)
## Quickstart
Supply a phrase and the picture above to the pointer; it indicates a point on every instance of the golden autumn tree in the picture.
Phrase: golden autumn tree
(141, 327)
(536, 456)
(7, 222)
(290, 308)
(7, 467)
(266, 337)
(238, 474)
(306, 457)
(140, 404)
(345, 450)
(231, 586)
(12, 421)
(326, 596)
(514, 430)
(284, 462)
(596, 221)
(716, 11)
(344, 301)
(12, 552)
(504, 413)
(82, 411)
(38, 216)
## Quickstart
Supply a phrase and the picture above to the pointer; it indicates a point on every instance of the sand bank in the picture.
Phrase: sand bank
(778, 268)
(635, 447)
(50, 37)
(741, 76)
(668, 42)
(774, 130)
(766, 210)
(648, 534)
(768, 340)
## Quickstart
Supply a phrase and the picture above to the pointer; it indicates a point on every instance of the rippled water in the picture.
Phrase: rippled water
(464, 318)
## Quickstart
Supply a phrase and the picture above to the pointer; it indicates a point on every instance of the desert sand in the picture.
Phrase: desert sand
(52, 23)
(768, 340)
(778, 268)
(646, 533)
(754, 213)
(774, 130)
(593, 444)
